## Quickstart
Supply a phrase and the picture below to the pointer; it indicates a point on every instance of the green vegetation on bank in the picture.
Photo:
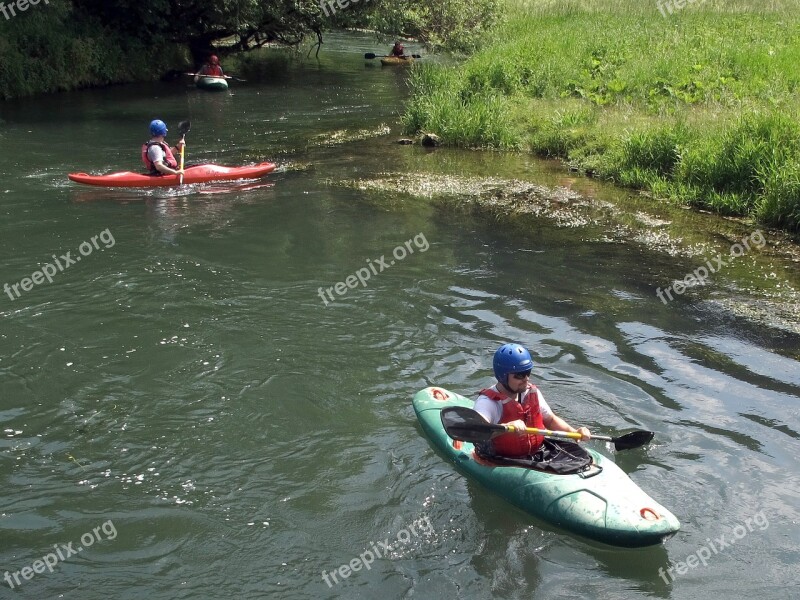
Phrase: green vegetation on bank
(54, 47)
(698, 105)
(453, 25)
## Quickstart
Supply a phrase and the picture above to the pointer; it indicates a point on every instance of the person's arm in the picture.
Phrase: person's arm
(165, 170)
(157, 156)
(556, 423)
(176, 149)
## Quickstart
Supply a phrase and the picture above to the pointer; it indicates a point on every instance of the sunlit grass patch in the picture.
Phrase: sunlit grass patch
(700, 105)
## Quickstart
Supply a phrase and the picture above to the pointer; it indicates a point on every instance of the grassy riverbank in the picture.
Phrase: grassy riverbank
(698, 105)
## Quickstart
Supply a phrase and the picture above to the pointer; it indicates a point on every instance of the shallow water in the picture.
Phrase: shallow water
(189, 385)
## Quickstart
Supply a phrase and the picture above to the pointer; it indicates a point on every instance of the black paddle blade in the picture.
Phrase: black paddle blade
(633, 440)
(464, 424)
(184, 127)
(369, 55)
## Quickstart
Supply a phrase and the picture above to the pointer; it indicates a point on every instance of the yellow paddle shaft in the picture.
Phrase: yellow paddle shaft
(573, 435)
(183, 148)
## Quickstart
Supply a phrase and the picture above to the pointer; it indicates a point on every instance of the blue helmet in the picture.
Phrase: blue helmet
(158, 127)
(510, 358)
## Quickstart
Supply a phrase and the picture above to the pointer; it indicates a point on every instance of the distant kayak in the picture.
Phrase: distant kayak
(601, 503)
(397, 60)
(196, 174)
(212, 83)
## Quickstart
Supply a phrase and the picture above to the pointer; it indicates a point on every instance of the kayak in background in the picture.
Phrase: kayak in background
(397, 60)
(196, 174)
(212, 83)
(601, 503)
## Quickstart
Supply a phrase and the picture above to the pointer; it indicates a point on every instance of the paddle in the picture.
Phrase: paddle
(223, 76)
(467, 425)
(373, 55)
(183, 129)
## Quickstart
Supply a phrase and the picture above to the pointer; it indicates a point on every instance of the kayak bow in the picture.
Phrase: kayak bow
(212, 83)
(397, 60)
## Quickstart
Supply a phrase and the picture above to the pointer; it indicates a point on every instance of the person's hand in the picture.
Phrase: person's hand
(180, 144)
(179, 171)
(517, 426)
(585, 434)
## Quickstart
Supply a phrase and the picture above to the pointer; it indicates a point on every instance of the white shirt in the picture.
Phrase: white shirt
(156, 153)
(493, 411)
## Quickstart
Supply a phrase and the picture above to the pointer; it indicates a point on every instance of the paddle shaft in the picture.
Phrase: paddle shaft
(371, 55)
(572, 435)
(223, 76)
(465, 424)
(183, 128)
(630, 440)
(183, 148)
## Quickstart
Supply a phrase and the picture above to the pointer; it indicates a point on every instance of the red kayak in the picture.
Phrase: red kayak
(196, 174)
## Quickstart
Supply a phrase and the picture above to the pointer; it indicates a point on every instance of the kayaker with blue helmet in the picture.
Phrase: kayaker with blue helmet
(157, 156)
(515, 401)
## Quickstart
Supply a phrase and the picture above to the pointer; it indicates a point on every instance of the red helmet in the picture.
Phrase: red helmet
(213, 59)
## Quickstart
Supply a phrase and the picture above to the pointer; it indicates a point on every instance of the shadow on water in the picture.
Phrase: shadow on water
(515, 546)
(639, 567)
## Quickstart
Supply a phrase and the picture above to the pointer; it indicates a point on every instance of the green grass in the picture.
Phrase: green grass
(699, 107)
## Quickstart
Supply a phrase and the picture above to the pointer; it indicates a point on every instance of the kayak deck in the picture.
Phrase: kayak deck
(212, 83)
(195, 174)
(397, 60)
(602, 504)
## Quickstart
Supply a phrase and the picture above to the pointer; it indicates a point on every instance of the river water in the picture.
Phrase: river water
(198, 407)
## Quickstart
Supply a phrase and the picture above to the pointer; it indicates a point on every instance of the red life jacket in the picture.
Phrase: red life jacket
(169, 158)
(212, 70)
(517, 444)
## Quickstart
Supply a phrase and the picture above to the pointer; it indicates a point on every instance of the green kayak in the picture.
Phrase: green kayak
(212, 83)
(601, 503)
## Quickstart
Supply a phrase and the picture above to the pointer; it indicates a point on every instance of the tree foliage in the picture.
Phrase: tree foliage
(66, 44)
(54, 47)
(242, 24)
(455, 25)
